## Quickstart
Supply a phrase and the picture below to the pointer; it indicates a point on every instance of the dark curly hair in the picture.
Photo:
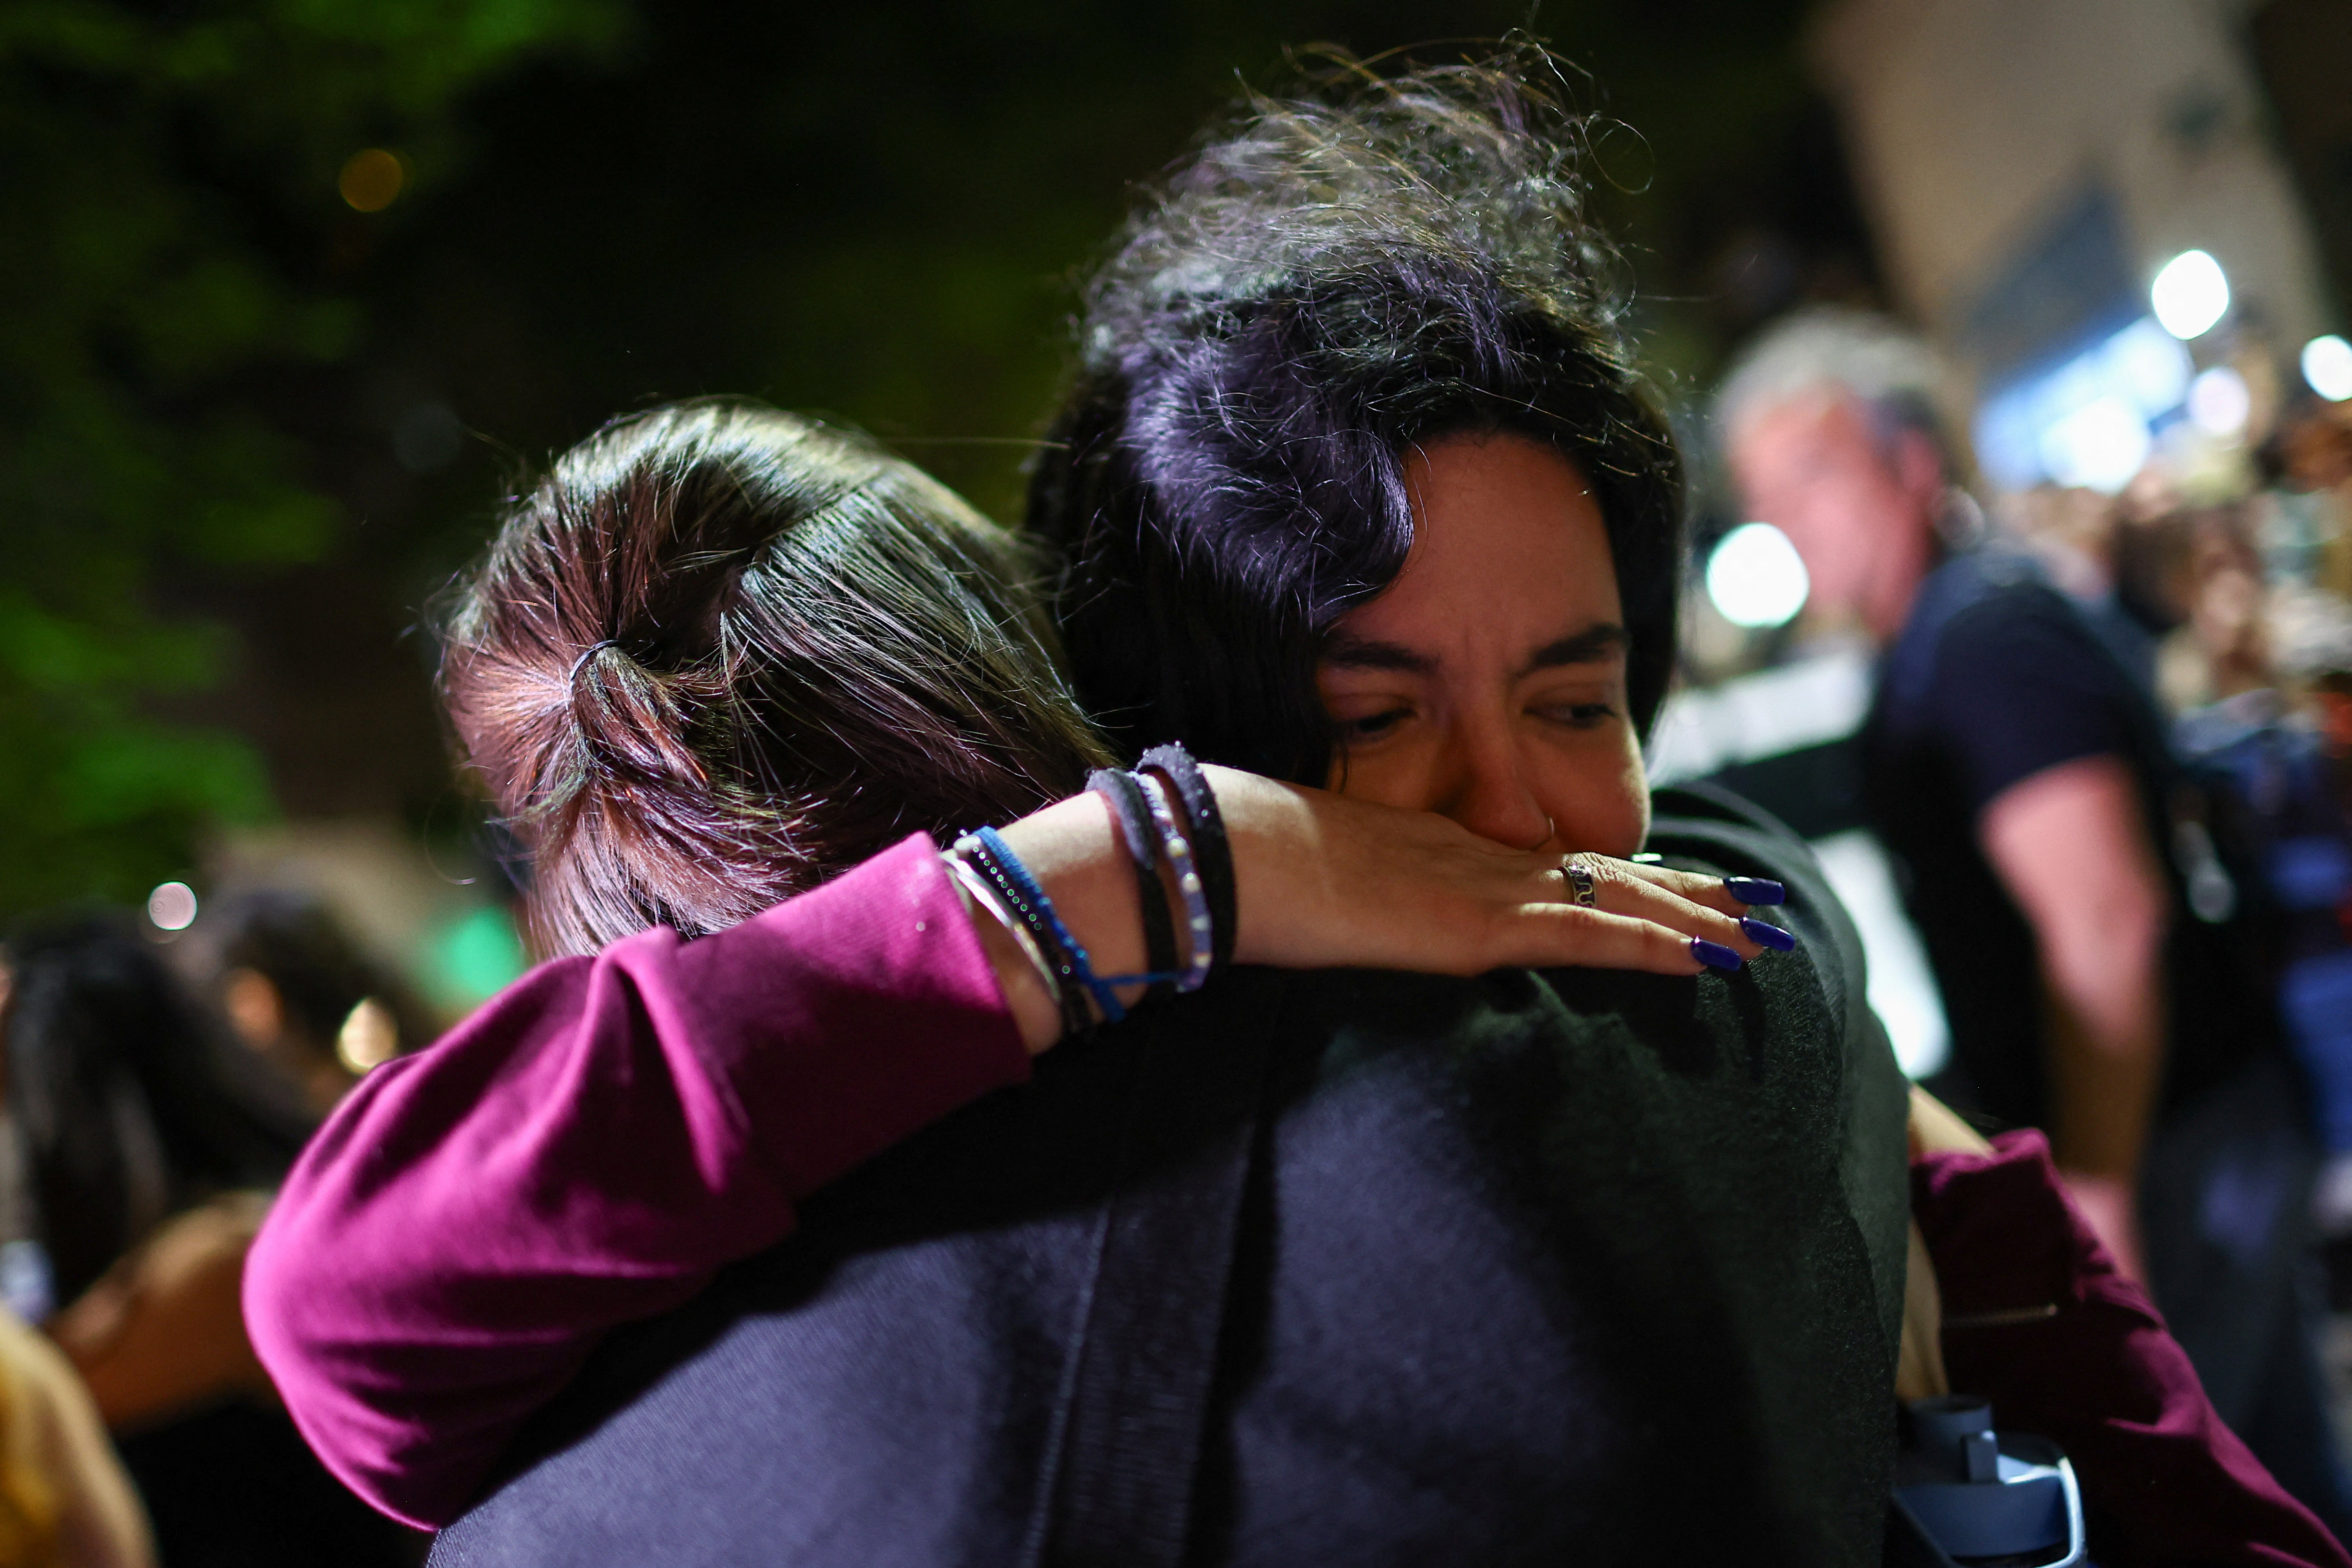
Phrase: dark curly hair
(1336, 277)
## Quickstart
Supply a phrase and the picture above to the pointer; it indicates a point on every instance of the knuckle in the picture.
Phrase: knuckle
(1584, 927)
(1606, 872)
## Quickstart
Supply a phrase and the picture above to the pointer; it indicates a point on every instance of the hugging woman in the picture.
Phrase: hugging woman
(1354, 490)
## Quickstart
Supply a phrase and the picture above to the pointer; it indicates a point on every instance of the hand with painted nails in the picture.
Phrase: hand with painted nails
(1326, 881)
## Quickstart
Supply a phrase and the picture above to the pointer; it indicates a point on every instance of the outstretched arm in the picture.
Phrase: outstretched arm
(597, 1140)
(588, 1149)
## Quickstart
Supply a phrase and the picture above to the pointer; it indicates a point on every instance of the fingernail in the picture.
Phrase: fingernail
(1755, 890)
(1713, 954)
(1768, 934)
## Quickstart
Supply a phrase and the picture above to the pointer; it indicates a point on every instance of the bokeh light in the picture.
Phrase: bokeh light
(2098, 447)
(2190, 295)
(2327, 367)
(369, 1037)
(1756, 578)
(372, 179)
(173, 907)
(2220, 402)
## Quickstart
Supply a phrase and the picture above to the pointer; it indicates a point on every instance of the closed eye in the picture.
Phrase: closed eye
(1373, 726)
(1579, 715)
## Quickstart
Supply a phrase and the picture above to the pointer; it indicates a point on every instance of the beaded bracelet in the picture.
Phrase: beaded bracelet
(979, 890)
(1199, 926)
(1213, 846)
(1134, 819)
(1019, 892)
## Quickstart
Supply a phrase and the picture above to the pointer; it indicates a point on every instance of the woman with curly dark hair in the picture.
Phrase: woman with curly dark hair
(1289, 338)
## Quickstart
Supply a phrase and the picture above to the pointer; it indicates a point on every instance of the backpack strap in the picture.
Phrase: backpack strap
(1129, 1425)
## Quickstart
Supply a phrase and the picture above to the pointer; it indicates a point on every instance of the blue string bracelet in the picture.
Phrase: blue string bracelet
(1061, 980)
(1029, 902)
(994, 845)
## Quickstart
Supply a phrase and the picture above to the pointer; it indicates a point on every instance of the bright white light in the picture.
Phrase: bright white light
(1756, 577)
(173, 907)
(2190, 295)
(2328, 365)
(2099, 447)
(2218, 402)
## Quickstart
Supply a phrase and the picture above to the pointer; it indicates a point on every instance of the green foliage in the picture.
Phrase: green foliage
(168, 214)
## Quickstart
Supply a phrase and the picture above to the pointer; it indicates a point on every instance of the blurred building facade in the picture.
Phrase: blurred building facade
(2029, 166)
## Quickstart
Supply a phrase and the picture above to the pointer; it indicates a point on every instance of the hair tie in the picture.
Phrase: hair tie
(591, 651)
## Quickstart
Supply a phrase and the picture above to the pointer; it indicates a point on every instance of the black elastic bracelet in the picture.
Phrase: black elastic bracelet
(1210, 846)
(1134, 820)
(1044, 929)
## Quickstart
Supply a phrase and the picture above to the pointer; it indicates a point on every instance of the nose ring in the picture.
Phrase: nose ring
(1549, 830)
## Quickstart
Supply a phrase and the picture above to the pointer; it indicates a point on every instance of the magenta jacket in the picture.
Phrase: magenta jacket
(589, 1149)
(600, 1139)
(2037, 1320)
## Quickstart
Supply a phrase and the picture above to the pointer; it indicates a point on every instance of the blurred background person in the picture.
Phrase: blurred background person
(2255, 731)
(64, 1499)
(300, 992)
(2016, 765)
(146, 1150)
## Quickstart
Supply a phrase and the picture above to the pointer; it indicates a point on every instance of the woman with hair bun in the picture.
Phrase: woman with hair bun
(733, 677)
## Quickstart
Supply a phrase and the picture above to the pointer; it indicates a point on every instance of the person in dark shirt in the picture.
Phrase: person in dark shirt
(2019, 774)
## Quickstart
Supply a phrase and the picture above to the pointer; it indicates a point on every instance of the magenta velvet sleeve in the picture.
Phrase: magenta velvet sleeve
(2037, 1320)
(589, 1148)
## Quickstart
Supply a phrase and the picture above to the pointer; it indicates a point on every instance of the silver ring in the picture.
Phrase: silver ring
(1579, 880)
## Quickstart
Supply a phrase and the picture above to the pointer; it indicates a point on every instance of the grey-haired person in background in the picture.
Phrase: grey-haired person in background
(2016, 765)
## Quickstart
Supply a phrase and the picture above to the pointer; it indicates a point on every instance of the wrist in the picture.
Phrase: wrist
(1275, 838)
(1072, 848)
(1021, 979)
(1073, 851)
(1076, 885)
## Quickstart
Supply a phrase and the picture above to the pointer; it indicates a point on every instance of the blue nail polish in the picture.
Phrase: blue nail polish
(1713, 954)
(1755, 890)
(1768, 934)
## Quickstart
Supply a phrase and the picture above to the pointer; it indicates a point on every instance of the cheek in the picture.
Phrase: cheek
(1600, 802)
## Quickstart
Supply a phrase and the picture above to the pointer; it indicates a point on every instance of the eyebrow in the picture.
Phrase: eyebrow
(1345, 652)
(1594, 645)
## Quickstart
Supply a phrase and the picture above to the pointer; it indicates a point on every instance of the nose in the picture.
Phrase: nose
(1489, 793)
